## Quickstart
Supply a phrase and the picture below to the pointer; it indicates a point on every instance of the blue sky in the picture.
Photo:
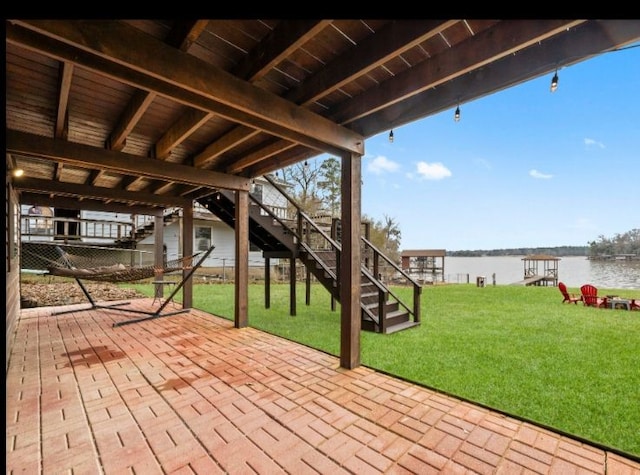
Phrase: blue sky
(523, 167)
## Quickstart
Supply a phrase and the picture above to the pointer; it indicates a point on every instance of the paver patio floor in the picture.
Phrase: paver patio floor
(190, 393)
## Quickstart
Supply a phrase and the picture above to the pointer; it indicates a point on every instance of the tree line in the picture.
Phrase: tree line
(316, 188)
(559, 251)
(625, 243)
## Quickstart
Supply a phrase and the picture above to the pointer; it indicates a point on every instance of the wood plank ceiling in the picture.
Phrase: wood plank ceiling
(157, 113)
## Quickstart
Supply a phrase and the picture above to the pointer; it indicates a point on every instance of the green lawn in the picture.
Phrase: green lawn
(515, 349)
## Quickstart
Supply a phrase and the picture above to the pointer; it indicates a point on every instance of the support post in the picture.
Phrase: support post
(349, 264)
(241, 317)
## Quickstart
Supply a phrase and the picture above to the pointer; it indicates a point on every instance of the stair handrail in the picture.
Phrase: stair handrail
(417, 288)
(322, 264)
(383, 297)
(383, 291)
(396, 267)
(282, 191)
(302, 216)
(274, 216)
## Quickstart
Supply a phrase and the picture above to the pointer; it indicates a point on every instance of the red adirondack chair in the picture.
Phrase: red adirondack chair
(568, 298)
(590, 297)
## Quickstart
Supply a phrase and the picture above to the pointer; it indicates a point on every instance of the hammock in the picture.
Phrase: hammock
(121, 273)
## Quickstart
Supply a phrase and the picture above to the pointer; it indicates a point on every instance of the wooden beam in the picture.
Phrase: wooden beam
(183, 34)
(482, 49)
(584, 42)
(288, 36)
(272, 50)
(290, 156)
(129, 118)
(66, 202)
(187, 250)
(241, 315)
(95, 192)
(266, 151)
(350, 263)
(62, 116)
(188, 123)
(432, 72)
(105, 47)
(89, 157)
(210, 156)
(396, 38)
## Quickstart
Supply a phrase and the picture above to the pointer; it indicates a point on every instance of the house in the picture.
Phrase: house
(141, 115)
(43, 224)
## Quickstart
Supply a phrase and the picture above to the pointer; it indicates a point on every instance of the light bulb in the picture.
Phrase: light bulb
(554, 82)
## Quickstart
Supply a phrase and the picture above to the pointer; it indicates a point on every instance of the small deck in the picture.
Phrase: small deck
(535, 280)
(540, 269)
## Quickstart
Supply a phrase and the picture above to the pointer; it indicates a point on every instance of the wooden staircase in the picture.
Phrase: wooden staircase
(297, 236)
(147, 229)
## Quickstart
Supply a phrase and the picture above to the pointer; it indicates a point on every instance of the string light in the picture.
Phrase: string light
(554, 82)
(391, 136)
(456, 115)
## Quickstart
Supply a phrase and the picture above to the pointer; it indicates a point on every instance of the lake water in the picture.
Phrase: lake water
(573, 271)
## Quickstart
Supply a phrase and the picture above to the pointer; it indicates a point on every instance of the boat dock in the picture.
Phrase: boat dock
(535, 280)
(532, 274)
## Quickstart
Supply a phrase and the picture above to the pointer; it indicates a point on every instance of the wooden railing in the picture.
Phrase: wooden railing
(312, 239)
(405, 278)
(49, 228)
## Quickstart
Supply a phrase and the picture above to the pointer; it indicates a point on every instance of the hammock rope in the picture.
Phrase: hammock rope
(65, 267)
(120, 272)
(83, 267)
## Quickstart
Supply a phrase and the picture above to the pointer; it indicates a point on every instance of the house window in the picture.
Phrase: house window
(203, 238)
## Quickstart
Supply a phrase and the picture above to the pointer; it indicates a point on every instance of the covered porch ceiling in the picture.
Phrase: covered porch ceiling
(148, 114)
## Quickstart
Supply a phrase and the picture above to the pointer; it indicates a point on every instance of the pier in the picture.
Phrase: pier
(535, 280)
(532, 274)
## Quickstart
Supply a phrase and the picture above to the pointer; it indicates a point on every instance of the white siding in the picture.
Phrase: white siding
(223, 238)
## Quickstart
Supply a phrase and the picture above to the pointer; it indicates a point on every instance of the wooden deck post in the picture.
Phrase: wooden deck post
(350, 315)
(241, 317)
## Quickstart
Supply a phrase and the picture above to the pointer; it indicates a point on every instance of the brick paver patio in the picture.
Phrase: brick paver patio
(191, 394)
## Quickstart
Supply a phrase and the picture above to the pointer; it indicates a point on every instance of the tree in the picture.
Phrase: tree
(392, 232)
(304, 177)
(318, 188)
(626, 243)
(329, 185)
(386, 236)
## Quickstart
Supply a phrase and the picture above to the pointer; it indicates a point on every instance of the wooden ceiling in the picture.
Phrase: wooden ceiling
(156, 113)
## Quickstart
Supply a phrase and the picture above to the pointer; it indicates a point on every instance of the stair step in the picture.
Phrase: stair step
(271, 235)
(401, 326)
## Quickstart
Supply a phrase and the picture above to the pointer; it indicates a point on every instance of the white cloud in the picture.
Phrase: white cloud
(432, 171)
(592, 143)
(536, 174)
(382, 164)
